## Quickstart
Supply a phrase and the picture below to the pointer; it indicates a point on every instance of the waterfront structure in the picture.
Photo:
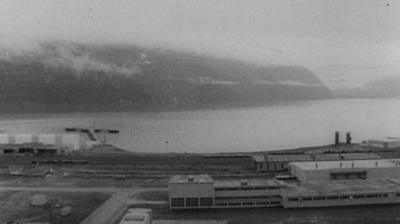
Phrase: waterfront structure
(201, 191)
(315, 184)
(340, 183)
(345, 170)
(341, 193)
(280, 163)
(43, 143)
(388, 143)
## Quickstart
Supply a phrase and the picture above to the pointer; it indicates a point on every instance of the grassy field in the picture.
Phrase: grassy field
(152, 196)
(16, 206)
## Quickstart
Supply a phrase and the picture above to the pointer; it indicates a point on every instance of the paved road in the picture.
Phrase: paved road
(110, 210)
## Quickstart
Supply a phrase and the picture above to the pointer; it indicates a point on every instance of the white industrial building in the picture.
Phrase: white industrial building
(201, 191)
(341, 183)
(388, 143)
(315, 184)
(19, 143)
(344, 170)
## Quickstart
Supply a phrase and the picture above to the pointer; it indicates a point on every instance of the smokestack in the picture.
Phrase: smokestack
(337, 138)
(348, 138)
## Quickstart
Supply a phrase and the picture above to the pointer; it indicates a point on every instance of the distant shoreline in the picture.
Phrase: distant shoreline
(33, 108)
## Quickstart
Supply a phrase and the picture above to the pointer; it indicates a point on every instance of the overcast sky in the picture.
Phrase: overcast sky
(342, 41)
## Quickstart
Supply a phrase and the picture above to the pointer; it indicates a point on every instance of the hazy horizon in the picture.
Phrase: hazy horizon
(345, 43)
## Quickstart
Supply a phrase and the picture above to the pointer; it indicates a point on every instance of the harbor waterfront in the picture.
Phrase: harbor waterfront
(284, 126)
(346, 169)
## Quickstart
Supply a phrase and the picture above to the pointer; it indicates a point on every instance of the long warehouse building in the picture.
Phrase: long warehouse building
(315, 184)
(36, 143)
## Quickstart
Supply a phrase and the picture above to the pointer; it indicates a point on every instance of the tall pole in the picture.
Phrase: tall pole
(50, 213)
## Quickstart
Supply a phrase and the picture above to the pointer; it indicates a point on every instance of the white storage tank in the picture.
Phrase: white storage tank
(4, 139)
(72, 141)
(47, 139)
(23, 138)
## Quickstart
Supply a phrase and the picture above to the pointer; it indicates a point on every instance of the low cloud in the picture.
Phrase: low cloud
(81, 61)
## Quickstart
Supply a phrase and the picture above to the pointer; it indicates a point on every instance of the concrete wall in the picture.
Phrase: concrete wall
(384, 172)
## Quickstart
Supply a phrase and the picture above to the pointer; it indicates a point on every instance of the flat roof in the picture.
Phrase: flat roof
(258, 158)
(320, 157)
(288, 158)
(201, 178)
(384, 140)
(247, 182)
(327, 156)
(354, 156)
(344, 164)
(135, 215)
(342, 187)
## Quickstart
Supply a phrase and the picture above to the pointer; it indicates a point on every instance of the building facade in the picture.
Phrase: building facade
(280, 163)
(318, 184)
(42, 143)
(201, 191)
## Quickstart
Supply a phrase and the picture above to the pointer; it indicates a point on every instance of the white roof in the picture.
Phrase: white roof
(135, 216)
(344, 164)
(201, 178)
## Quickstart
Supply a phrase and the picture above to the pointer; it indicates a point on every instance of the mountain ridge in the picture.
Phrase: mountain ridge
(117, 78)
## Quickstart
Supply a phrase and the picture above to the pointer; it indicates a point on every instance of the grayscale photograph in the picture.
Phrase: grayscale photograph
(199, 111)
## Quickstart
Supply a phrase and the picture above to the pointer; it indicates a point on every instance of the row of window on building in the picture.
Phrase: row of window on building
(246, 188)
(339, 197)
(225, 201)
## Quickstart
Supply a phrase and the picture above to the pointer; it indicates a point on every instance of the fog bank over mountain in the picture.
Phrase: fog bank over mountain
(68, 76)
(345, 43)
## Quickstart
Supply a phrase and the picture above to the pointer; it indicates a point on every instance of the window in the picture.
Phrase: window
(332, 197)
(344, 197)
(219, 189)
(232, 188)
(204, 202)
(260, 188)
(192, 202)
(177, 202)
(248, 203)
(372, 195)
(234, 204)
(275, 202)
(319, 198)
(360, 175)
(358, 196)
(306, 199)
(262, 203)
(246, 188)
(224, 198)
(293, 199)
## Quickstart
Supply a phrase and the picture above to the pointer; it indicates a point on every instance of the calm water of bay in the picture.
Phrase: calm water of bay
(288, 125)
